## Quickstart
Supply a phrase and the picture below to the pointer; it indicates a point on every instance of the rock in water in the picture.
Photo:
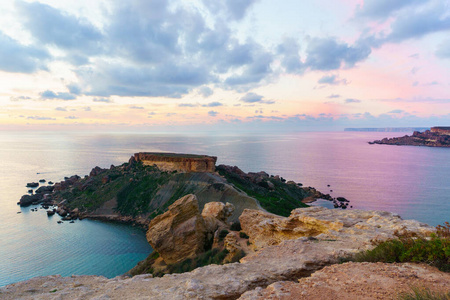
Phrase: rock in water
(179, 233)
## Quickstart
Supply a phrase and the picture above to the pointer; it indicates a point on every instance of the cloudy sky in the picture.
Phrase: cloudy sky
(232, 64)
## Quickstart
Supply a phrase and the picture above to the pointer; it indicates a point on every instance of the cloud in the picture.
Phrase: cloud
(187, 105)
(61, 109)
(213, 104)
(50, 95)
(87, 108)
(289, 51)
(205, 91)
(327, 54)
(136, 107)
(381, 9)
(332, 96)
(71, 118)
(255, 98)
(19, 98)
(231, 9)
(443, 50)
(74, 89)
(18, 58)
(332, 80)
(40, 118)
(104, 100)
(420, 22)
(349, 100)
(396, 111)
(212, 113)
(57, 28)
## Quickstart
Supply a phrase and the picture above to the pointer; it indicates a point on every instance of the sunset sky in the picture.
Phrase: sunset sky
(224, 65)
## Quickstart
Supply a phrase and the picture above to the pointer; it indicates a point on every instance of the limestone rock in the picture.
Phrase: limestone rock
(179, 233)
(356, 281)
(287, 261)
(218, 210)
(265, 229)
(233, 248)
(216, 214)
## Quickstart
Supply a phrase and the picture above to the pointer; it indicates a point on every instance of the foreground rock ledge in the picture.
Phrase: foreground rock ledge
(287, 259)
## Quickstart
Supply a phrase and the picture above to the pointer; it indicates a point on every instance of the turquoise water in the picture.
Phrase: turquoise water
(411, 181)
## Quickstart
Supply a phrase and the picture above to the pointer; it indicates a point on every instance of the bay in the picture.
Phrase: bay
(410, 181)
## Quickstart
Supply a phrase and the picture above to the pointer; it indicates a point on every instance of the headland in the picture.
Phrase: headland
(435, 137)
(231, 235)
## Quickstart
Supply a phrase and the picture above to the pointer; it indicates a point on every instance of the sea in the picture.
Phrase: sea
(410, 181)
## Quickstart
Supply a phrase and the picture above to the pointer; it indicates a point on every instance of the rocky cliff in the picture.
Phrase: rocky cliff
(315, 237)
(436, 137)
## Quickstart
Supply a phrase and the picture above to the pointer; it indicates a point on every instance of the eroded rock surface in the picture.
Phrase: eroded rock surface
(179, 233)
(351, 281)
(357, 226)
(285, 260)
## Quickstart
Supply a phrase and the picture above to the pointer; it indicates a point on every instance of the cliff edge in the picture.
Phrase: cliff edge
(326, 236)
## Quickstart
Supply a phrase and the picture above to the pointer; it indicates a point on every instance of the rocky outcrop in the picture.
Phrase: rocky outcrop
(358, 227)
(182, 232)
(437, 137)
(351, 281)
(179, 233)
(346, 232)
(177, 162)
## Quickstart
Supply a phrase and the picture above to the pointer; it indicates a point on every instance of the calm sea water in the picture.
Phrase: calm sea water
(411, 181)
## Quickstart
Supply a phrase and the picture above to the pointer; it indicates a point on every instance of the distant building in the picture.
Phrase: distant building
(441, 130)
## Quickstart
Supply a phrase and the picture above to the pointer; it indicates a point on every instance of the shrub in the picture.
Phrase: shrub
(434, 251)
(222, 234)
(236, 226)
(424, 294)
(243, 235)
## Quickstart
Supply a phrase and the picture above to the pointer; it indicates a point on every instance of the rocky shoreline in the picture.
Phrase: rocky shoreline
(429, 138)
(283, 252)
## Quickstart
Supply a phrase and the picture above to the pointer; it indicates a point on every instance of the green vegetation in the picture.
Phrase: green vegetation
(280, 200)
(243, 235)
(134, 197)
(424, 294)
(434, 250)
(222, 234)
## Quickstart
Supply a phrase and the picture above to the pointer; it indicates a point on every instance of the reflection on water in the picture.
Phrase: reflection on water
(411, 181)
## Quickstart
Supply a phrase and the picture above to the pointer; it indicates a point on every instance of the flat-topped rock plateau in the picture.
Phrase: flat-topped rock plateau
(283, 252)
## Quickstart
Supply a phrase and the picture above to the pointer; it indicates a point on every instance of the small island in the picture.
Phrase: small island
(435, 137)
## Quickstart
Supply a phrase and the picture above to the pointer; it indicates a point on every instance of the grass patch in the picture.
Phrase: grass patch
(434, 250)
(280, 200)
(424, 294)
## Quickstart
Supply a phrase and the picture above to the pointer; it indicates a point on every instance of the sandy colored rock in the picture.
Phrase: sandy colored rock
(218, 210)
(265, 229)
(289, 260)
(357, 281)
(179, 233)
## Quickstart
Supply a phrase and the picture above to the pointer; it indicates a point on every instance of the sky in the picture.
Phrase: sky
(232, 65)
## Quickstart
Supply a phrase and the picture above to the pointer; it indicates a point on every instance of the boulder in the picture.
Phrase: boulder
(44, 189)
(27, 200)
(32, 184)
(218, 210)
(179, 233)
(96, 171)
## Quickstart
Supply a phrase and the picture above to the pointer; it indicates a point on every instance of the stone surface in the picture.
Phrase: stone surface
(351, 281)
(179, 233)
(288, 260)
(218, 210)
(358, 226)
